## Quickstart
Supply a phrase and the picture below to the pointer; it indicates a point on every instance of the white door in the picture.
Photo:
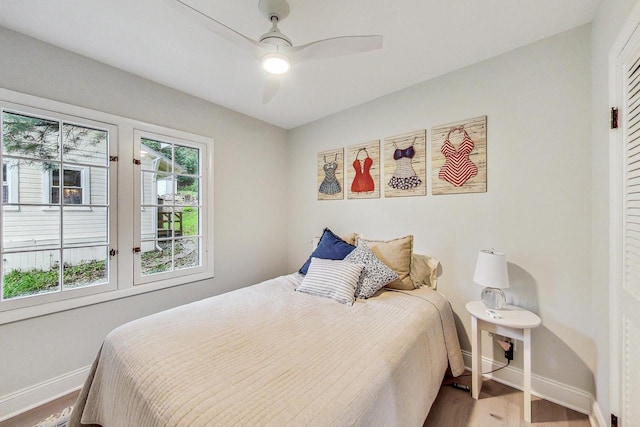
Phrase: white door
(626, 286)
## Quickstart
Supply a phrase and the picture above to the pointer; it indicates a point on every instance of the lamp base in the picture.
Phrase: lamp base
(493, 298)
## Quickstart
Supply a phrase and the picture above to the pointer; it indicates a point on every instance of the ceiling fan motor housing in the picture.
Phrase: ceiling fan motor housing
(271, 8)
(275, 11)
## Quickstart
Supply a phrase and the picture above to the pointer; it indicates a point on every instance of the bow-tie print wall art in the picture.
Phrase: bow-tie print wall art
(363, 171)
(405, 164)
(459, 157)
(331, 175)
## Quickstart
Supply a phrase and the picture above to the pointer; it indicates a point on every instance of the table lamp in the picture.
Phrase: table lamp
(491, 272)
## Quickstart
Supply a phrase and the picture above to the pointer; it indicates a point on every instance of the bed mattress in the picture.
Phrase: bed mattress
(268, 355)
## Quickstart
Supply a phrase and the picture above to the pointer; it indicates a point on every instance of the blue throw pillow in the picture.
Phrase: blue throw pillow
(329, 247)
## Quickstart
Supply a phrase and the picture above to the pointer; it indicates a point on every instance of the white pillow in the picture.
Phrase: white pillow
(375, 274)
(335, 279)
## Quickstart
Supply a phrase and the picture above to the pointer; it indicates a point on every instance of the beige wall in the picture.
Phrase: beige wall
(250, 201)
(537, 208)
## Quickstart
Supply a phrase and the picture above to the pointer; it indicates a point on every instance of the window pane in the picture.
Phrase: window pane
(187, 253)
(55, 177)
(188, 221)
(85, 227)
(55, 195)
(148, 223)
(72, 178)
(157, 257)
(98, 185)
(31, 137)
(156, 155)
(30, 273)
(165, 223)
(35, 180)
(187, 160)
(31, 227)
(85, 266)
(84, 145)
(188, 192)
(5, 182)
(72, 196)
(157, 188)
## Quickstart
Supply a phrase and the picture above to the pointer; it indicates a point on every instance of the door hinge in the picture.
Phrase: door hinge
(614, 118)
(136, 250)
(136, 162)
(113, 252)
(614, 421)
(113, 158)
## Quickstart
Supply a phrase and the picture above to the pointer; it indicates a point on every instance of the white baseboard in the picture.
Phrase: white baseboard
(596, 418)
(545, 388)
(31, 397)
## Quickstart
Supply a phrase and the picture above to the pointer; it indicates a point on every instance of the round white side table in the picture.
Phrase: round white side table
(513, 322)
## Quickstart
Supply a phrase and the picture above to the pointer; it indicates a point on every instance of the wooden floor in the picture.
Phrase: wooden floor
(498, 406)
(33, 417)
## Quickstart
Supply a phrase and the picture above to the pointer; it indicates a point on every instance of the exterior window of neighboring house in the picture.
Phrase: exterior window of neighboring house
(5, 184)
(72, 187)
(9, 185)
(63, 212)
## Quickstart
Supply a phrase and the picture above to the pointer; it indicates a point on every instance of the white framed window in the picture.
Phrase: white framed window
(62, 254)
(172, 206)
(10, 176)
(67, 224)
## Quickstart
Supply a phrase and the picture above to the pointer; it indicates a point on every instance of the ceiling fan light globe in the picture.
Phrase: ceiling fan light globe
(275, 63)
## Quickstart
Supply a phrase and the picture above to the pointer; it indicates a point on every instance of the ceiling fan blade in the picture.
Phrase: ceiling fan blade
(218, 27)
(336, 46)
(270, 89)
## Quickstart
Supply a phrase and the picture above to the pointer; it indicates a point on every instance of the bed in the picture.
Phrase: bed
(268, 355)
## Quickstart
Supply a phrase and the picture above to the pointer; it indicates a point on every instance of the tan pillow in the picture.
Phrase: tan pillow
(350, 238)
(424, 271)
(395, 254)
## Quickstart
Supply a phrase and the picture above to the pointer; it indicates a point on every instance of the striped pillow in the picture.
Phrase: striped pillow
(335, 279)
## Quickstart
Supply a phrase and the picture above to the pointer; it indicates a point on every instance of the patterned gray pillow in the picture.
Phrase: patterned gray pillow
(375, 274)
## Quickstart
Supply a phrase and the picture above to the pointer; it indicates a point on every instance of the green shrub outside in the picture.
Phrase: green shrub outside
(19, 283)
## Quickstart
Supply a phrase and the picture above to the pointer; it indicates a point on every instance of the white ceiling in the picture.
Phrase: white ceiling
(422, 39)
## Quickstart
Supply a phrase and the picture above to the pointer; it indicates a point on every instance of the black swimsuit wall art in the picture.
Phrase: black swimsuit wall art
(405, 165)
(363, 171)
(330, 175)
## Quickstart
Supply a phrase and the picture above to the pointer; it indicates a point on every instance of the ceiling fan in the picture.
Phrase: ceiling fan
(275, 49)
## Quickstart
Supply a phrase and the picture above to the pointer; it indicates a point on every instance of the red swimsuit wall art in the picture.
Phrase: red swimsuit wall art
(457, 168)
(363, 181)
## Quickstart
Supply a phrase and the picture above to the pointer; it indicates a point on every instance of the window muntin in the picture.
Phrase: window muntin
(48, 248)
(171, 205)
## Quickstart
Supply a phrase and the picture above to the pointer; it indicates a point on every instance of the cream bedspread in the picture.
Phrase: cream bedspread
(267, 355)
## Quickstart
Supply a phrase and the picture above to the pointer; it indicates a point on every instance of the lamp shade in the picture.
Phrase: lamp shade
(491, 270)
